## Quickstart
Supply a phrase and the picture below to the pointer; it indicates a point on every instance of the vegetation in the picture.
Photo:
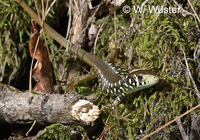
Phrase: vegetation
(155, 40)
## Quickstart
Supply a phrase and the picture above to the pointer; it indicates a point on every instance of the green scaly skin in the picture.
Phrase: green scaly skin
(115, 80)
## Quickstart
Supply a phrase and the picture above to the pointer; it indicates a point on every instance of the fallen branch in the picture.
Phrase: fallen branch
(24, 108)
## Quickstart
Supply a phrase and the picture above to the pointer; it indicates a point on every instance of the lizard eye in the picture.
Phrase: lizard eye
(140, 77)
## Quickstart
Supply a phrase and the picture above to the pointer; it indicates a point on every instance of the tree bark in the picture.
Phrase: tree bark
(25, 107)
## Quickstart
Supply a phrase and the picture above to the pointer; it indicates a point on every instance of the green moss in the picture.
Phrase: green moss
(84, 90)
(56, 131)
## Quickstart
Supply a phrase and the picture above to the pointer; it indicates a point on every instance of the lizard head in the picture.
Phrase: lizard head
(141, 79)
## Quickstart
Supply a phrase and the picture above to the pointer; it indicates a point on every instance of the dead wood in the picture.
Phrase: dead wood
(25, 107)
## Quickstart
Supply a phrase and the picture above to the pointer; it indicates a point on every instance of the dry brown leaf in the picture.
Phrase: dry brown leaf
(42, 73)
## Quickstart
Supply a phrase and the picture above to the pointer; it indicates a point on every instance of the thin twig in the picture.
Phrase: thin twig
(68, 28)
(131, 52)
(171, 122)
(49, 8)
(153, 22)
(69, 21)
(43, 18)
(76, 5)
(190, 75)
(183, 9)
(91, 18)
(169, 4)
(70, 18)
(38, 11)
(31, 128)
(150, 25)
(115, 22)
(44, 14)
(130, 57)
(95, 42)
(104, 132)
(181, 129)
(5, 3)
(31, 68)
(47, 5)
(194, 10)
(42, 24)
(196, 51)
(187, 12)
